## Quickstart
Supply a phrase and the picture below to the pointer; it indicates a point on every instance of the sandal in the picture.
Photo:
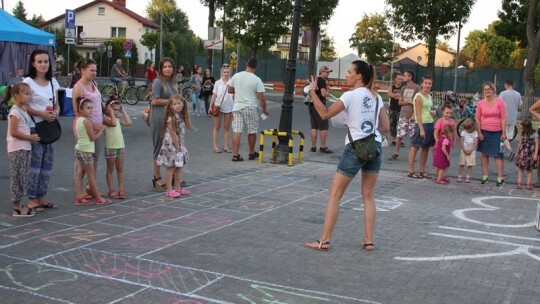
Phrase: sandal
(518, 186)
(368, 246)
(226, 150)
(318, 245)
(413, 175)
(394, 157)
(237, 158)
(182, 191)
(121, 194)
(253, 156)
(529, 187)
(103, 201)
(424, 175)
(23, 212)
(49, 206)
(156, 182)
(87, 196)
(113, 194)
(83, 202)
(217, 150)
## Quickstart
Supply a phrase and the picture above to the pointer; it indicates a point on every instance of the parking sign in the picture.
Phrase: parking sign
(70, 19)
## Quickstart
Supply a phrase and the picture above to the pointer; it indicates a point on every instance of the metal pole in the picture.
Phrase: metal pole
(457, 56)
(67, 65)
(160, 35)
(285, 122)
(237, 56)
(100, 58)
(223, 39)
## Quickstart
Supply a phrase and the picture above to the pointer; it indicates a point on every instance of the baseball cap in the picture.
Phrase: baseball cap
(324, 68)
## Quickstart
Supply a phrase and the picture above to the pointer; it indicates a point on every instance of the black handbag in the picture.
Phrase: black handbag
(366, 148)
(48, 132)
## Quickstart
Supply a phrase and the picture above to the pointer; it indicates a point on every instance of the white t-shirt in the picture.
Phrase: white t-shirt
(42, 96)
(360, 107)
(246, 86)
(219, 90)
(468, 139)
(23, 126)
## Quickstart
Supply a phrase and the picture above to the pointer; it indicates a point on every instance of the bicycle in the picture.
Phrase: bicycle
(129, 92)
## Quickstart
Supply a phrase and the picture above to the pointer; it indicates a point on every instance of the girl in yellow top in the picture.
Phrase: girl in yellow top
(115, 149)
(422, 136)
(84, 149)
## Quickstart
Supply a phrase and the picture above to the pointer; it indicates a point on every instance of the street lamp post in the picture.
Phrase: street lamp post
(457, 56)
(285, 122)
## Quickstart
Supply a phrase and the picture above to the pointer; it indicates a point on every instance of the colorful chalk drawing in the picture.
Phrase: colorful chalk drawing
(73, 237)
(122, 267)
(277, 295)
(48, 277)
(518, 248)
(23, 233)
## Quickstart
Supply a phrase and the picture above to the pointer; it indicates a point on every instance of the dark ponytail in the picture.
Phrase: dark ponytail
(367, 71)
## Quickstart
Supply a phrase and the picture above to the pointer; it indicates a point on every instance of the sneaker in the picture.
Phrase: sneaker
(511, 155)
(402, 145)
(484, 179)
(313, 149)
(468, 179)
(325, 150)
(500, 182)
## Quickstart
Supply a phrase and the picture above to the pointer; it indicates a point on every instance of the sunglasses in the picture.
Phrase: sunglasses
(225, 66)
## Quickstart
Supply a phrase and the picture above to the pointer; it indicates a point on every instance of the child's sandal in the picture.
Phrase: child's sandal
(83, 202)
(103, 201)
(121, 194)
(518, 186)
(529, 187)
(113, 194)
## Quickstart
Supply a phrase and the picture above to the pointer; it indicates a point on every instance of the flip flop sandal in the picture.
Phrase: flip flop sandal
(424, 175)
(87, 196)
(227, 150)
(83, 202)
(318, 245)
(49, 206)
(121, 194)
(368, 246)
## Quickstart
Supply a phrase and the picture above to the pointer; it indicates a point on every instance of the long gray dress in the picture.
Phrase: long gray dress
(156, 112)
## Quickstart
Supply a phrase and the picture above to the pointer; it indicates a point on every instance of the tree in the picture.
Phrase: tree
(473, 43)
(61, 49)
(174, 19)
(372, 38)
(118, 52)
(150, 40)
(533, 41)
(429, 19)
(328, 50)
(315, 14)
(445, 46)
(19, 11)
(255, 23)
(499, 52)
(212, 5)
(513, 18)
(36, 20)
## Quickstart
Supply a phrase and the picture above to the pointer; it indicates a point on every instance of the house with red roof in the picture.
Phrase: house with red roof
(100, 20)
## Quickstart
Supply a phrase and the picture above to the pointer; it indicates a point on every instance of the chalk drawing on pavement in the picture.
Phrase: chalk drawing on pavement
(23, 274)
(385, 203)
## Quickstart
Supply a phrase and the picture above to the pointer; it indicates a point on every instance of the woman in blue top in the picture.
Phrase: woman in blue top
(361, 106)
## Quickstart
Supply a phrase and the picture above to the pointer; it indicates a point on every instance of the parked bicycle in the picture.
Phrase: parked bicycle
(129, 94)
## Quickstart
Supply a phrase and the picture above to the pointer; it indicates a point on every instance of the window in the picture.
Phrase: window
(101, 10)
(118, 32)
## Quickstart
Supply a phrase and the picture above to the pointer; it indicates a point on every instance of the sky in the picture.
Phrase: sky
(340, 27)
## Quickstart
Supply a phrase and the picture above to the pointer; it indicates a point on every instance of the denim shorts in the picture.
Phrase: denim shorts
(349, 165)
(426, 142)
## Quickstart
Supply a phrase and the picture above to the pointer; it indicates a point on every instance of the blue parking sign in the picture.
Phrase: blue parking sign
(70, 19)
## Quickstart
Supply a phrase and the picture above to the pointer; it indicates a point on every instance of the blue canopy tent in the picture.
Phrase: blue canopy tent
(17, 41)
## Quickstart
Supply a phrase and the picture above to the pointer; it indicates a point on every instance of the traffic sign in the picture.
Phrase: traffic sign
(233, 54)
(102, 48)
(70, 19)
(128, 45)
(127, 54)
(109, 54)
(70, 40)
(233, 63)
(70, 32)
(213, 44)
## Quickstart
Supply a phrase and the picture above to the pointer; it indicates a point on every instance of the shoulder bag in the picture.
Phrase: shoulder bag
(48, 132)
(366, 148)
(215, 110)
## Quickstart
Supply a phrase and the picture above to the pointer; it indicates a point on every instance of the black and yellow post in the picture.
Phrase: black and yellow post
(275, 133)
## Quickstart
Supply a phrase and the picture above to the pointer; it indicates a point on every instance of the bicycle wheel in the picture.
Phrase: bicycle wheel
(106, 92)
(460, 127)
(131, 97)
(142, 93)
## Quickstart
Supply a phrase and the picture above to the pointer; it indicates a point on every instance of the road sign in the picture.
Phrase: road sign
(70, 40)
(70, 19)
(128, 45)
(233, 54)
(70, 32)
(102, 48)
(233, 63)
(213, 44)
(127, 54)
(109, 54)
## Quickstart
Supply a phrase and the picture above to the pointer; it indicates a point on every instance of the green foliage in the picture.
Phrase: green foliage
(19, 11)
(537, 76)
(513, 20)
(182, 48)
(328, 50)
(257, 24)
(427, 20)
(445, 46)
(36, 20)
(473, 43)
(174, 19)
(499, 52)
(150, 40)
(373, 39)
(61, 50)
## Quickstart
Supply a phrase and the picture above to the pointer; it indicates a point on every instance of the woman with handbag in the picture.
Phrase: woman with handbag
(208, 82)
(365, 120)
(163, 87)
(222, 102)
(43, 106)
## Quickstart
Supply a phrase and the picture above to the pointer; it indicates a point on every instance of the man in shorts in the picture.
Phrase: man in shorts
(512, 100)
(248, 91)
(317, 123)
(406, 100)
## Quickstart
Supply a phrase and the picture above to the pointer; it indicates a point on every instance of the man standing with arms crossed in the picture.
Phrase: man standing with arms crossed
(317, 123)
(248, 91)
(406, 101)
(512, 100)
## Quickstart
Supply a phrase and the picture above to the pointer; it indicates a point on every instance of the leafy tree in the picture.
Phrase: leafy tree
(328, 50)
(513, 19)
(315, 14)
(533, 42)
(429, 19)
(118, 52)
(255, 23)
(150, 40)
(36, 20)
(372, 38)
(445, 46)
(473, 43)
(481, 58)
(19, 11)
(499, 52)
(174, 19)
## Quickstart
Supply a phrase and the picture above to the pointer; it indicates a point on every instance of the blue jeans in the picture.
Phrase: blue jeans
(195, 102)
(349, 165)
